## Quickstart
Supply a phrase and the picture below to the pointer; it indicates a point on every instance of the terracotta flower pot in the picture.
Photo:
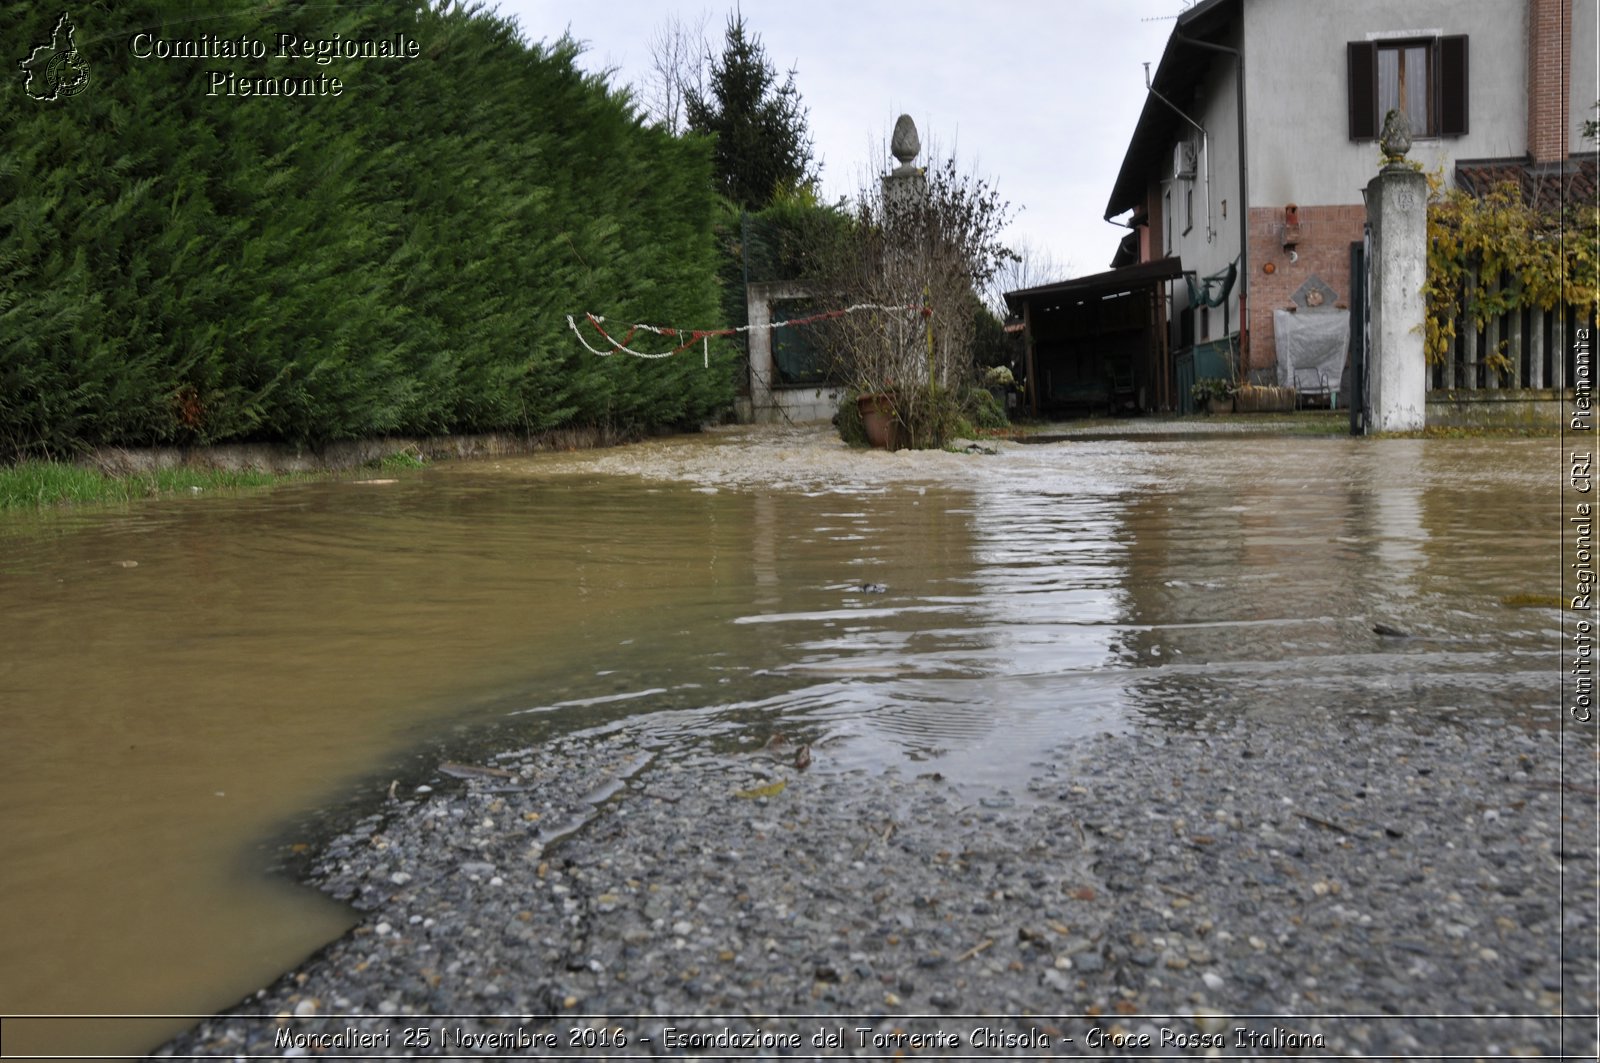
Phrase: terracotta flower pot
(877, 417)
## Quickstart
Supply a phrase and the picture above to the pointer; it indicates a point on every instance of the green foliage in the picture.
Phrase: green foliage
(1208, 388)
(1545, 258)
(37, 484)
(848, 420)
(762, 145)
(931, 417)
(178, 267)
(399, 461)
(999, 376)
(992, 346)
(983, 411)
(784, 238)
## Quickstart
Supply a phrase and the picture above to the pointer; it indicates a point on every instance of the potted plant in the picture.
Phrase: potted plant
(879, 417)
(1212, 395)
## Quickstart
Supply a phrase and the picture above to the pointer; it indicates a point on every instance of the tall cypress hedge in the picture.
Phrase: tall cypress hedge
(401, 258)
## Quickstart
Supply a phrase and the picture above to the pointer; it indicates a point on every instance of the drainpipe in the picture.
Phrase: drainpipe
(1205, 145)
(1244, 191)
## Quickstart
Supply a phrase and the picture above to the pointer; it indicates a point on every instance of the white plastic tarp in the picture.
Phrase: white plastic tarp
(1312, 345)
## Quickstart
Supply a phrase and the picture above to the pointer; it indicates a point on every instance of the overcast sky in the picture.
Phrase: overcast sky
(1038, 96)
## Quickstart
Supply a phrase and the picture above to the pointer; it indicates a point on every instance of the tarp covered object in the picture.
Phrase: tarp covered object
(1311, 339)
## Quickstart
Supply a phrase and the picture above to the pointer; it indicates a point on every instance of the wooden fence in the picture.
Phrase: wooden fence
(1538, 344)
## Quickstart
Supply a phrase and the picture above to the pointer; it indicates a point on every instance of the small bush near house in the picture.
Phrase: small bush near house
(848, 420)
(984, 411)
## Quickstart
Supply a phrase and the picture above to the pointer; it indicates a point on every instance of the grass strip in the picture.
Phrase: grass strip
(41, 484)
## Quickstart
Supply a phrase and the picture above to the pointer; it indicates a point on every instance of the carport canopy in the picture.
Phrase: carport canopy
(1089, 337)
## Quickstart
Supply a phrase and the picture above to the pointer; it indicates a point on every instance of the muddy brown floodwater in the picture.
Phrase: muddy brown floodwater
(184, 682)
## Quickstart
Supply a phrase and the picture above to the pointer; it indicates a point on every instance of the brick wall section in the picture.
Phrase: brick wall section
(1549, 78)
(1326, 234)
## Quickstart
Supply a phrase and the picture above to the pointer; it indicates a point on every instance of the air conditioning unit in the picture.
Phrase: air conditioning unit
(1184, 159)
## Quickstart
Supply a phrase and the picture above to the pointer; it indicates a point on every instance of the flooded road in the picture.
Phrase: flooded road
(185, 681)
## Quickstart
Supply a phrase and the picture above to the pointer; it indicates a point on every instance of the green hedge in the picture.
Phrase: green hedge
(401, 258)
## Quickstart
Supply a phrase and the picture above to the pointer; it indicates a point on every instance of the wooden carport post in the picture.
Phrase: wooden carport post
(1162, 352)
(1027, 347)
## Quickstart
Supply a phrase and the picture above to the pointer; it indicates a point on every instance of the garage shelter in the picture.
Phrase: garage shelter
(1098, 344)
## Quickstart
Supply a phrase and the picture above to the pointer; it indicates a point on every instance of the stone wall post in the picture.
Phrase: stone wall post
(905, 190)
(906, 185)
(1397, 206)
(758, 315)
(770, 402)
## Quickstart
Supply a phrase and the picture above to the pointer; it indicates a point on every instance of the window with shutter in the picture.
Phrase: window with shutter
(1452, 69)
(1424, 79)
(1363, 86)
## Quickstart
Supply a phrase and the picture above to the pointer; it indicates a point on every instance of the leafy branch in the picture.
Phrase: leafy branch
(1499, 252)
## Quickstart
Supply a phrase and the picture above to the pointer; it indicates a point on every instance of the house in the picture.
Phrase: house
(1259, 193)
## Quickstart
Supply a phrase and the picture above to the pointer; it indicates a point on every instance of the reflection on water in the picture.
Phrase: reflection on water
(266, 652)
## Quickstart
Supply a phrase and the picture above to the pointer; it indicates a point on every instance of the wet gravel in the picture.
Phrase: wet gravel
(1368, 886)
(1267, 890)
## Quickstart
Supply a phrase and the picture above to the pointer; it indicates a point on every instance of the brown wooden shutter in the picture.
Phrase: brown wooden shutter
(1452, 70)
(1363, 90)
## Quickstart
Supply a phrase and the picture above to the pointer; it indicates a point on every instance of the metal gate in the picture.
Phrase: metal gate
(1360, 330)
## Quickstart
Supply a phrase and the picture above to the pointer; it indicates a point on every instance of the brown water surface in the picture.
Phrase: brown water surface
(183, 681)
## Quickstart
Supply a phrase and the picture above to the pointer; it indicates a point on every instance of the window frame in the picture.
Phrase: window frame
(1429, 46)
(1448, 91)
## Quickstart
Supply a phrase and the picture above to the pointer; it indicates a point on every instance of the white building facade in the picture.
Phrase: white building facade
(1502, 83)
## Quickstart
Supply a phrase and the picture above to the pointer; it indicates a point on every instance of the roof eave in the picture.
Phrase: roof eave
(1126, 277)
(1175, 75)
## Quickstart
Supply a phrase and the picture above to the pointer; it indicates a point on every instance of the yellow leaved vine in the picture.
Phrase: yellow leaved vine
(1543, 259)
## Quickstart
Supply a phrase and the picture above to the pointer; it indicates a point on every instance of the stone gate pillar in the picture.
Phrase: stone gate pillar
(1397, 207)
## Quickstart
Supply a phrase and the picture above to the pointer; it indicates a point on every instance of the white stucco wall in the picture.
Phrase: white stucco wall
(1298, 82)
(1585, 70)
(1300, 146)
(1209, 252)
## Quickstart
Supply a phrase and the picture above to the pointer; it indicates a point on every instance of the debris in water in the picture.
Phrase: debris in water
(1389, 632)
(772, 789)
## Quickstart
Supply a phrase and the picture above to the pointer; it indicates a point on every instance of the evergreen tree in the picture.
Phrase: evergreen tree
(182, 267)
(762, 144)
